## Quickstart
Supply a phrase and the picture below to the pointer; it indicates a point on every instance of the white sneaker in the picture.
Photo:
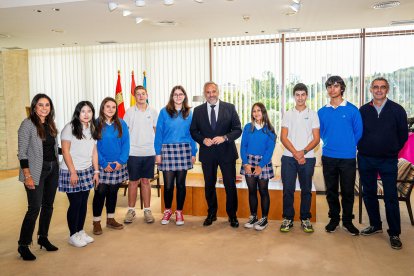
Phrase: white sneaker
(85, 237)
(130, 216)
(76, 240)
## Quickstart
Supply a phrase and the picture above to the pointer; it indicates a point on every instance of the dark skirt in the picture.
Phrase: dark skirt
(115, 177)
(85, 182)
(254, 160)
(175, 157)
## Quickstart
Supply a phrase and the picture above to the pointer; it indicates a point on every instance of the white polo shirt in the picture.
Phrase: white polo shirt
(80, 150)
(141, 126)
(300, 125)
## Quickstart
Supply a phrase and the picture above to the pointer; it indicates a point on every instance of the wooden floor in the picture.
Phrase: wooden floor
(8, 173)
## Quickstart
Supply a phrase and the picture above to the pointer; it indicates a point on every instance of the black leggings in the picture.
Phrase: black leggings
(252, 183)
(77, 211)
(108, 191)
(179, 177)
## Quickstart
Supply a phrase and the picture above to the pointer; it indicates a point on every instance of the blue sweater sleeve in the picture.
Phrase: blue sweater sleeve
(192, 142)
(123, 158)
(357, 125)
(270, 146)
(101, 159)
(159, 132)
(245, 143)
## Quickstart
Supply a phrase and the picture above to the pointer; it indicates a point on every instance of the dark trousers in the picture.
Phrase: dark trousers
(179, 178)
(369, 167)
(263, 184)
(339, 172)
(40, 200)
(108, 192)
(290, 170)
(78, 205)
(228, 170)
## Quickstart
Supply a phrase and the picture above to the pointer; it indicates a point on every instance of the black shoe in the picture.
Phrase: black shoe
(44, 242)
(348, 226)
(25, 253)
(209, 220)
(234, 222)
(370, 230)
(332, 225)
(395, 242)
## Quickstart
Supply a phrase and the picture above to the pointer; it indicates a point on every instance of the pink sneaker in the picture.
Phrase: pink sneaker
(179, 218)
(166, 218)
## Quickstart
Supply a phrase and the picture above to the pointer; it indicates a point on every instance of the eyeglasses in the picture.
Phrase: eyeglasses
(178, 95)
(382, 87)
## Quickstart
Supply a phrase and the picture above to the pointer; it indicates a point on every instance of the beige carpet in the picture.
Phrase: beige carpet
(192, 249)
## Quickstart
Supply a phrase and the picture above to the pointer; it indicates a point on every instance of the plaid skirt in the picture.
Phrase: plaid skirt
(254, 160)
(115, 177)
(85, 182)
(175, 157)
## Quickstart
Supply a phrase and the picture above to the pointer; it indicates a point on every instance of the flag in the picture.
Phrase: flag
(118, 97)
(132, 102)
(144, 82)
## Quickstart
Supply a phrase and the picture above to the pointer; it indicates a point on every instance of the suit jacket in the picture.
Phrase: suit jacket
(228, 123)
(30, 147)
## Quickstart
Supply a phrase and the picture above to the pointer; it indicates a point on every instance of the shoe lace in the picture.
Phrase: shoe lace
(167, 214)
(285, 222)
(179, 215)
(262, 221)
(147, 212)
(252, 219)
(306, 223)
(396, 238)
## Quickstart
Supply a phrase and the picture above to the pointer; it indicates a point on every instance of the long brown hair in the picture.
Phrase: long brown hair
(170, 107)
(267, 125)
(49, 120)
(102, 119)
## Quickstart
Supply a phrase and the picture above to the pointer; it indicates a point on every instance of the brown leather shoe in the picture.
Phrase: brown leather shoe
(112, 223)
(97, 229)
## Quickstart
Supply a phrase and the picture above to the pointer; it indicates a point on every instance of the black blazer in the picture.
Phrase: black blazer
(228, 123)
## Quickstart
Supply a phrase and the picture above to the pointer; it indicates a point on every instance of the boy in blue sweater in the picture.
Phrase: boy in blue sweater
(385, 133)
(340, 130)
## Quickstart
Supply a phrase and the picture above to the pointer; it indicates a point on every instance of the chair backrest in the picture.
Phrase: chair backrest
(405, 175)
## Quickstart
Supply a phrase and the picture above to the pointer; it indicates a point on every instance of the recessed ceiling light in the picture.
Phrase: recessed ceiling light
(166, 23)
(56, 9)
(107, 42)
(402, 22)
(140, 3)
(139, 20)
(168, 2)
(199, 1)
(5, 36)
(126, 12)
(289, 30)
(39, 11)
(386, 5)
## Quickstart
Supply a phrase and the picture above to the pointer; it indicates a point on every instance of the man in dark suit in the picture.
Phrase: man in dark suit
(215, 127)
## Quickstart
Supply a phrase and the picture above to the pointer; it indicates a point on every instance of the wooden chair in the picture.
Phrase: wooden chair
(405, 183)
(156, 185)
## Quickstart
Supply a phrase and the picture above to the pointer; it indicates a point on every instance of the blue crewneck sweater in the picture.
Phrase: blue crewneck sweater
(111, 148)
(259, 142)
(384, 134)
(341, 129)
(173, 130)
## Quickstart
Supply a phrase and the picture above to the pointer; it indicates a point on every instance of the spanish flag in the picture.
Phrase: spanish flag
(132, 102)
(118, 97)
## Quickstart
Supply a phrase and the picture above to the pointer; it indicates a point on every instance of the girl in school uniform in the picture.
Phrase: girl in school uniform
(79, 172)
(113, 152)
(256, 150)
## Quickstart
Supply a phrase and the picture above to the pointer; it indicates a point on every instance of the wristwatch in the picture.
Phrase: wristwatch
(225, 138)
(305, 151)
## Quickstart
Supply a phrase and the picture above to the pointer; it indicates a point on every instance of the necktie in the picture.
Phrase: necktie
(213, 120)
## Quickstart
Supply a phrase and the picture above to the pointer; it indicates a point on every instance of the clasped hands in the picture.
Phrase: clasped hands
(300, 157)
(255, 170)
(215, 141)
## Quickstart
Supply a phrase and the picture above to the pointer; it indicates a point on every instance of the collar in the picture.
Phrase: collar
(217, 104)
(344, 102)
(381, 106)
(297, 111)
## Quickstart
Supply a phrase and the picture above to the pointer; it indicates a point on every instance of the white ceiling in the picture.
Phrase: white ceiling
(85, 22)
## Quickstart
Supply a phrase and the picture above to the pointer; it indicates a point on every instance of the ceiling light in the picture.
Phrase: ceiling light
(168, 2)
(295, 6)
(386, 5)
(140, 3)
(199, 1)
(139, 20)
(5, 36)
(126, 12)
(401, 22)
(112, 6)
(290, 30)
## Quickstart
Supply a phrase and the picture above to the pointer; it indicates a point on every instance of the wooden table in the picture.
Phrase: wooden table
(196, 205)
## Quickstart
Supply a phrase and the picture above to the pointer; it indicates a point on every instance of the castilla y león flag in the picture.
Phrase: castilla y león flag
(132, 102)
(118, 97)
